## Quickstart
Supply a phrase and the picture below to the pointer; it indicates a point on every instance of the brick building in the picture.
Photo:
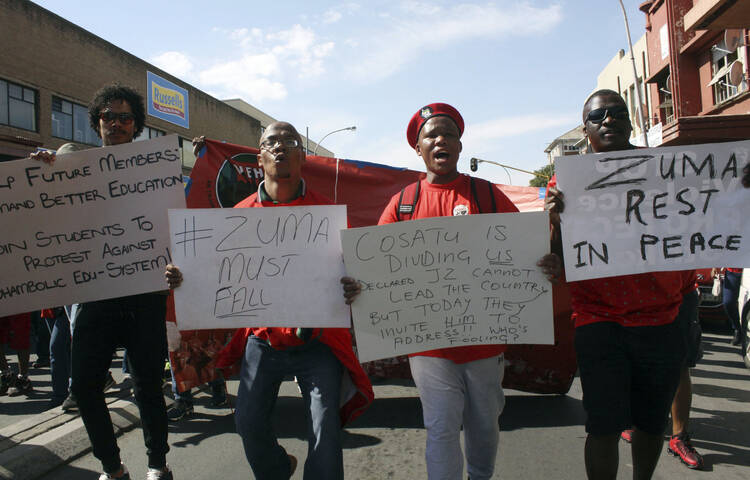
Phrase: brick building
(50, 69)
(698, 65)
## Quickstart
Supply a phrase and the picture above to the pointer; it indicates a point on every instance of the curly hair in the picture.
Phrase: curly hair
(116, 91)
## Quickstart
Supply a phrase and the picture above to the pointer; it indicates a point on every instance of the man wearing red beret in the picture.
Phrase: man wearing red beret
(459, 386)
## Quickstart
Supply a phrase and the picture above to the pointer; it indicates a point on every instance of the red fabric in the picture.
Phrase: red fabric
(15, 331)
(339, 340)
(365, 188)
(439, 201)
(734, 270)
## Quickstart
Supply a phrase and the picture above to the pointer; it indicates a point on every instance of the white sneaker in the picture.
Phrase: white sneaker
(159, 474)
(125, 475)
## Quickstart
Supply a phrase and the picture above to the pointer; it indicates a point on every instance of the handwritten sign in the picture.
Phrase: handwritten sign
(657, 209)
(91, 226)
(259, 267)
(449, 282)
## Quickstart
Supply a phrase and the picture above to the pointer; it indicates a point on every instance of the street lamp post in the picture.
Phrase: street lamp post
(474, 164)
(635, 79)
(352, 128)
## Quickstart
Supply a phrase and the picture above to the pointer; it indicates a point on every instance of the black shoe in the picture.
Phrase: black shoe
(6, 381)
(737, 339)
(219, 395)
(179, 410)
(40, 363)
(21, 387)
(70, 404)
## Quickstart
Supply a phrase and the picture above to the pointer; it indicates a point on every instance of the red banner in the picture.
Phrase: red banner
(225, 173)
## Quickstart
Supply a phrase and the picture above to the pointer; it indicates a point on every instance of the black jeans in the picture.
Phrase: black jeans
(136, 323)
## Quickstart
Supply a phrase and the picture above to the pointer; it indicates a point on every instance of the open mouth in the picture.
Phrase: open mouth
(442, 155)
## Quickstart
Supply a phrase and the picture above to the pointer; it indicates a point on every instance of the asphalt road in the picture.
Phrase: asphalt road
(542, 436)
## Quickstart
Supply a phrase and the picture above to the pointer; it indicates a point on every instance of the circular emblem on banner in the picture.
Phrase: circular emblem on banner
(237, 179)
(426, 112)
(460, 210)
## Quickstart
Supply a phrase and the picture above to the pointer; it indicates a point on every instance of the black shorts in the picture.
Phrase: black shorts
(691, 328)
(629, 375)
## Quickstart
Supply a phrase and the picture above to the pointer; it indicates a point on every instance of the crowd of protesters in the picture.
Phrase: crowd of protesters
(634, 360)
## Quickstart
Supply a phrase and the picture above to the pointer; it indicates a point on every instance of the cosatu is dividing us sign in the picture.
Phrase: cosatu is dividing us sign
(91, 226)
(448, 282)
(656, 209)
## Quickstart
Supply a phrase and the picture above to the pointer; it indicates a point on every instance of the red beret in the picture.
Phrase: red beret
(427, 112)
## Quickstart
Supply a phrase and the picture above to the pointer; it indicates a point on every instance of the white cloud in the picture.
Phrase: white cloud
(404, 38)
(332, 16)
(516, 125)
(176, 63)
(266, 60)
(248, 78)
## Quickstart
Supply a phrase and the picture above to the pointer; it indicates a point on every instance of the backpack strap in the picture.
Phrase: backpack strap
(407, 201)
(484, 195)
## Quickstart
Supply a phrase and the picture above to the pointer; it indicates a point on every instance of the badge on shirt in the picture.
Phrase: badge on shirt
(460, 210)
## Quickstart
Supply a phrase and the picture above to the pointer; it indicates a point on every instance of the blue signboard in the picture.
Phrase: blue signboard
(167, 101)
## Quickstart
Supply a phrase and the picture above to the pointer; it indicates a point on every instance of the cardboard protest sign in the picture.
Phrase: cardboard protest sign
(449, 281)
(91, 226)
(253, 267)
(657, 209)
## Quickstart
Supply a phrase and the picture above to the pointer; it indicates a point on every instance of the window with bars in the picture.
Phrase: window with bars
(149, 133)
(71, 122)
(17, 106)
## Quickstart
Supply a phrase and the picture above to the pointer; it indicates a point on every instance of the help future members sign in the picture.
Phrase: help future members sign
(91, 226)
(656, 209)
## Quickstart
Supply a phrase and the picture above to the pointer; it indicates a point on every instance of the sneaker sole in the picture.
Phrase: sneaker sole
(675, 454)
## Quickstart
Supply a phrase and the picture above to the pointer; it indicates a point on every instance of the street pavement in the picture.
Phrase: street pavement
(542, 436)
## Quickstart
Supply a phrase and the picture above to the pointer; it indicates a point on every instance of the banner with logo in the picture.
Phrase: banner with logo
(226, 173)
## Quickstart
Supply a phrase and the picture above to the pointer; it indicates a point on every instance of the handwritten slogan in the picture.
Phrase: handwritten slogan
(449, 282)
(91, 226)
(657, 209)
(259, 267)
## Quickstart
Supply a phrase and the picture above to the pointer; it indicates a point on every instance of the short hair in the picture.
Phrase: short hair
(604, 92)
(116, 91)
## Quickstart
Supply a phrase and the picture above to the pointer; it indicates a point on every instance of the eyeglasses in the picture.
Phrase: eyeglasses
(124, 117)
(270, 143)
(619, 112)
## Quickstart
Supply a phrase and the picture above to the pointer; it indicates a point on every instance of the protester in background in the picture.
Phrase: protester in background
(459, 386)
(40, 337)
(630, 355)
(320, 358)
(15, 332)
(135, 322)
(730, 292)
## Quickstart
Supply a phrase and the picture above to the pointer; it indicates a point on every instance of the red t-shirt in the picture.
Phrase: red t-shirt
(282, 337)
(639, 300)
(440, 201)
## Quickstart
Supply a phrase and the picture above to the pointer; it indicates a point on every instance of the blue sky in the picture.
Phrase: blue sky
(518, 71)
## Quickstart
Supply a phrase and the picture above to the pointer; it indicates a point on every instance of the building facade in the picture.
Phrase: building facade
(50, 69)
(698, 64)
(618, 76)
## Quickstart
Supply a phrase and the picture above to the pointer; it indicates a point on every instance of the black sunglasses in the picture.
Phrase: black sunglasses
(619, 112)
(124, 118)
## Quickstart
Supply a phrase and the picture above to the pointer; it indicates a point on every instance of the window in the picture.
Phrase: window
(721, 64)
(149, 133)
(17, 106)
(71, 122)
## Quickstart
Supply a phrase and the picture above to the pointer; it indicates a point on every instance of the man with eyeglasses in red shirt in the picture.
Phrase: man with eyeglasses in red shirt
(136, 322)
